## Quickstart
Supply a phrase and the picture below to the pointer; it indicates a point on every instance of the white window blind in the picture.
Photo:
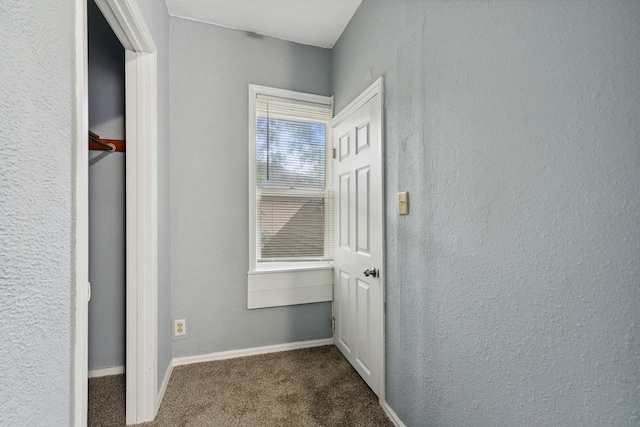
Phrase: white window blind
(293, 199)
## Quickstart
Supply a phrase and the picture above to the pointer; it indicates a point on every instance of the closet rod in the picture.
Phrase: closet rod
(109, 146)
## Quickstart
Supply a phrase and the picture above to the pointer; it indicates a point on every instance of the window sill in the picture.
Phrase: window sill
(281, 285)
(275, 267)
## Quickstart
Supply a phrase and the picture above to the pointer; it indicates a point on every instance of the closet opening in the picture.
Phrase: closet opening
(107, 221)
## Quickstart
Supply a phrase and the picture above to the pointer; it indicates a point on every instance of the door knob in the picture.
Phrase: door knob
(371, 272)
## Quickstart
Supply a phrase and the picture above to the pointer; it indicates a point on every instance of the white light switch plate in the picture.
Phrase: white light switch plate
(403, 203)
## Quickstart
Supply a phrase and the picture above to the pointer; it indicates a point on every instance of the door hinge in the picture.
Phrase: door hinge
(333, 323)
(88, 291)
(334, 152)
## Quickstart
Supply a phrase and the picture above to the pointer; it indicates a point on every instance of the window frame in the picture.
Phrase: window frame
(285, 283)
(274, 266)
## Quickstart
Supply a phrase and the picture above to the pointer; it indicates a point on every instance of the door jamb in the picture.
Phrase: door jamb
(376, 88)
(80, 327)
(127, 22)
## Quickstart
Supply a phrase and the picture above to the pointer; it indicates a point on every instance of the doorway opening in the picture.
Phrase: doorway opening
(107, 217)
(127, 23)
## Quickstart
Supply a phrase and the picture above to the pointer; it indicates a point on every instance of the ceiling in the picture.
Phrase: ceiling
(312, 22)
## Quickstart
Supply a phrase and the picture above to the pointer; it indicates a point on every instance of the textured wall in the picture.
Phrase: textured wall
(36, 213)
(211, 68)
(107, 243)
(513, 288)
(157, 20)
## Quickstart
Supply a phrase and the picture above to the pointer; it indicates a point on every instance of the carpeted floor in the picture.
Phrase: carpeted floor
(310, 387)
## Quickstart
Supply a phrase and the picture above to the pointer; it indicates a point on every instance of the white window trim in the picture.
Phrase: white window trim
(281, 283)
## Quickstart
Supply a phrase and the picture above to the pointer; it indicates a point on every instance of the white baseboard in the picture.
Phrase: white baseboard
(221, 355)
(163, 387)
(104, 372)
(392, 415)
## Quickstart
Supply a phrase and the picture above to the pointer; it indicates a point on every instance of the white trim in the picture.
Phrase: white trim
(268, 92)
(133, 401)
(253, 92)
(105, 372)
(392, 415)
(231, 354)
(280, 267)
(287, 295)
(376, 87)
(81, 226)
(163, 386)
(141, 165)
(127, 23)
(289, 287)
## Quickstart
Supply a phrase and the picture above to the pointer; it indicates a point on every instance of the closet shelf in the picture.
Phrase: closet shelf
(103, 144)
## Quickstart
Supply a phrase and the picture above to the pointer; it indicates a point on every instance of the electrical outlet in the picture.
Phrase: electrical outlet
(179, 327)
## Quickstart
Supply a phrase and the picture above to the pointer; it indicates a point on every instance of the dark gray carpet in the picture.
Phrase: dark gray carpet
(106, 401)
(309, 387)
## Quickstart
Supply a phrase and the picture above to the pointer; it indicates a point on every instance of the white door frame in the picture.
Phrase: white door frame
(129, 26)
(377, 88)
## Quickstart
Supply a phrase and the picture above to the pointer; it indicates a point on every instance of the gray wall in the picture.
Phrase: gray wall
(513, 288)
(157, 20)
(107, 244)
(211, 68)
(36, 212)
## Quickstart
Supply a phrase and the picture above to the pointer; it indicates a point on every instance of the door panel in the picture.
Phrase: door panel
(363, 137)
(343, 327)
(363, 313)
(362, 211)
(343, 218)
(344, 147)
(358, 183)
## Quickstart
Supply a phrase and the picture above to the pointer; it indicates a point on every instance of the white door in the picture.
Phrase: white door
(358, 239)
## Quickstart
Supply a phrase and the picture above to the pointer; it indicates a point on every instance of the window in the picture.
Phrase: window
(289, 183)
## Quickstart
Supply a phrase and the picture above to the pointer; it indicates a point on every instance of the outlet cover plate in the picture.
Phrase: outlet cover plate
(180, 328)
